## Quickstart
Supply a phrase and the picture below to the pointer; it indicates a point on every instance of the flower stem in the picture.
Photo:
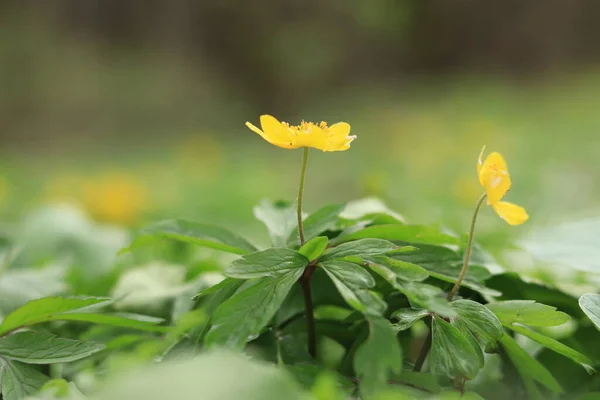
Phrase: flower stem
(465, 266)
(300, 193)
(308, 271)
(427, 344)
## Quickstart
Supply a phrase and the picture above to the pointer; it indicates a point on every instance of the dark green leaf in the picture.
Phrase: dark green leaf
(361, 248)
(279, 218)
(314, 247)
(45, 348)
(480, 321)
(421, 380)
(215, 288)
(527, 312)
(316, 223)
(403, 233)
(378, 357)
(19, 380)
(452, 355)
(527, 366)
(407, 317)
(590, 304)
(462, 327)
(445, 264)
(116, 319)
(555, 345)
(270, 262)
(192, 232)
(432, 298)
(240, 318)
(352, 282)
(44, 309)
(401, 269)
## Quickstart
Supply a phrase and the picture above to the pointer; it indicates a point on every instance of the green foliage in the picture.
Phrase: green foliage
(377, 287)
(378, 358)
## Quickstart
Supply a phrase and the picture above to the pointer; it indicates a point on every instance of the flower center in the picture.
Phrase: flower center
(305, 127)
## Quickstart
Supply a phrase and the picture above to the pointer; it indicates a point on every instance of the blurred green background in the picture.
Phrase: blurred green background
(135, 110)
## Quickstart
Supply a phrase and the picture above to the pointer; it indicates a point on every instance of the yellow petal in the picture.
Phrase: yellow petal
(511, 213)
(339, 137)
(494, 177)
(276, 137)
(275, 130)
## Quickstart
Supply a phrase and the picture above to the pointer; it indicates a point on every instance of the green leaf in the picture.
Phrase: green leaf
(445, 264)
(316, 223)
(432, 298)
(590, 304)
(61, 389)
(401, 269)
(270, 262)
(452, 355)
(215, 288)
(44, 348)
(240, 318)
(421, 380)
(407, 317)
(480, 321)
(314, 247)
(378, 357)
(527, 312)
(19, 380)
(44, 309)
(209, 236)
(122, 320)
(527, 366)
(279, 218)
(403, 233)
(555, 345)
(362, 247)
(352, 282)
(462, 328)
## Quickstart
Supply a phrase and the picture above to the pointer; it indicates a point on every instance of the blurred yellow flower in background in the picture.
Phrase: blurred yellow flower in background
(319, 136)
(494, 177)
(115, 197)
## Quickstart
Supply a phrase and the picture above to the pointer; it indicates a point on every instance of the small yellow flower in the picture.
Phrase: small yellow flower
(319, 136)
(494, 177)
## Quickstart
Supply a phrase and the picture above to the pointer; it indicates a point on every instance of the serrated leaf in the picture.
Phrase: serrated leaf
(527, 312)
(42, 310)
(480, 321)
(270, 262)
(360, 248)
(403, 233)
(527, 366)
(279, 218)
(240, 318)
(45, 348)
(401, 269)
(316, 223)
(19, 380)
(378, 357)
(209, 236)
(406, 317)
(314, 247)
(352, 282)
(452, 355)
(590, 304)
(555, 345)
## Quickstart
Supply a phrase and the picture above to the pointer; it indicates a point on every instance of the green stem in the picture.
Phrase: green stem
(427, 344)
(468, 249)
(300, 193)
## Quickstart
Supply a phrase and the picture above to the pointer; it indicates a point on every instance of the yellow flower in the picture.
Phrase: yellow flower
(116, 197)
(494, 177)
(319, 136)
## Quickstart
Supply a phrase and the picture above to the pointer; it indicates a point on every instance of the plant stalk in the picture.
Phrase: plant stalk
(427, 344)
(300, 193)
(310, 268)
